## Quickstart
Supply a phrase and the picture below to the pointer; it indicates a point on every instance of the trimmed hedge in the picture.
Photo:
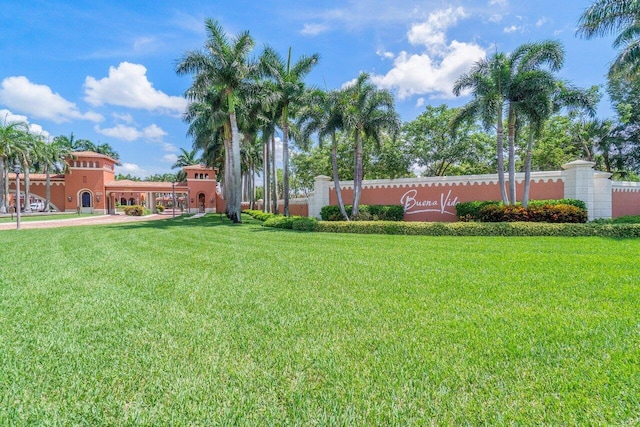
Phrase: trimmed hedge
(479, 229)
(562, 210)
(159, 208)
(299, 223)
(367, 213)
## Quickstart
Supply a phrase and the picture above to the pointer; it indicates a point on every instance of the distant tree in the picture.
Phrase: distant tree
(440, 148)
(186, 158)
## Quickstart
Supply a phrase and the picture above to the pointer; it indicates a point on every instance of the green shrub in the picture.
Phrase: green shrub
(331, 213)
(573, 202)
(304, 224)
(367, 213)
(627, 219)
(470, 211)
(259, 215)
(557, 213)
(480, 229)
(280, 221)
(134, 210)
(159, 208)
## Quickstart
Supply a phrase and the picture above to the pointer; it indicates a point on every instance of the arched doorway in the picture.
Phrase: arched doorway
(201, 201)
(85, 202)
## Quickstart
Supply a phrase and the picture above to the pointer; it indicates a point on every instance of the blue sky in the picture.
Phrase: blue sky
(105, 70)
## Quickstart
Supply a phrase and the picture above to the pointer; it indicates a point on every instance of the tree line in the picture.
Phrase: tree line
(521, 117)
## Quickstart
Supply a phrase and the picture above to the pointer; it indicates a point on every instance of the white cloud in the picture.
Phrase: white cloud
(7, 117)
(541, 21)
(313, 29)
(166, 146)
(512, 29)
(128, 86)
(385, 55)
(132, 169)
(502, 3)
(431, 34)
(419, 102)
(435, 70)
(40, 101)
(496, 17)
(127, 118)
(129, 133)
(169, 158)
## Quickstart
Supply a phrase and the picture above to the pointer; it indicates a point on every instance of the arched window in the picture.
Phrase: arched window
(123, 201)
(132, 201)
(206, 176)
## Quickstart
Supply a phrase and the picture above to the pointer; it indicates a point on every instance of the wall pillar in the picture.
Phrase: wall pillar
(602, 194)
(579, 183)
(320, 196)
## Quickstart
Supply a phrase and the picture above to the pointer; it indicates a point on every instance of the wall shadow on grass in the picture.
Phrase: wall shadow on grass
(209, 220)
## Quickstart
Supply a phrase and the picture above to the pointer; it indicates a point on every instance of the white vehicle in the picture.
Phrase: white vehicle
(37, 206)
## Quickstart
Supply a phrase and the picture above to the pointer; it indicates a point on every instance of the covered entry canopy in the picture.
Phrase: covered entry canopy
(150, 192)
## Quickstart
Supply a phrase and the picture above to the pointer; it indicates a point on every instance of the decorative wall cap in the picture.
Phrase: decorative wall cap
(625, 186)
(578, 164)
(435, 181)
(322, 178)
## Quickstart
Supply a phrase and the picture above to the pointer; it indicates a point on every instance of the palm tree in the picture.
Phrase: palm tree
(505, 83)
(289, 88)
(186, 158)
(605, 17)
(53, 159)
(545, 100)
(368, 111)
(323, 115)
(223, 67)
(11, 135)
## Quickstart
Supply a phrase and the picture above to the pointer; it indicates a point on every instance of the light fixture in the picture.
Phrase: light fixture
(68, 198)
(98, 198)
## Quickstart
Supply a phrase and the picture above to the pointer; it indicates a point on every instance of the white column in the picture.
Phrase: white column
(320, 196)
(579, 183)
(603, 199)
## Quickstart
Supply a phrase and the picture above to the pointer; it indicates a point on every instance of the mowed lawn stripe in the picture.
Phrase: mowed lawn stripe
(202, 322)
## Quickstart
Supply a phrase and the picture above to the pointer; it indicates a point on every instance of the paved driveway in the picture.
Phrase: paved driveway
(85, 220)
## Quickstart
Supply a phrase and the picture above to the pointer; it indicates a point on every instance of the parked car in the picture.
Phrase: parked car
(37, 206)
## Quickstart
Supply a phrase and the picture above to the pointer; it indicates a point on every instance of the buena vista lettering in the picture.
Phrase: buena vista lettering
(414, 206)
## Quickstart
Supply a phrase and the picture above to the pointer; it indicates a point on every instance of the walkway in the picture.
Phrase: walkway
(84, 220)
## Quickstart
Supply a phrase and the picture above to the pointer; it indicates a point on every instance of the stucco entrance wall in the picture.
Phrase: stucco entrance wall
(435, 199)
(625, 198)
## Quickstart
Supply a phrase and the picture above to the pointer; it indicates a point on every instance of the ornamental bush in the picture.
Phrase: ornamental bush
(159, 208)
(562, 210)
(134, 210)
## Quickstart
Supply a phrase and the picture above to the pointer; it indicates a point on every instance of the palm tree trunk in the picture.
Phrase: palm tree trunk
(265, 177)
(285, 167)
(512, 154)
(3, 195)
(27, 186)
(500, 154)
(6, 183)
(47, 189)
(274, 172)
(236, 172)
(336, 178)
(357, 176)
(527, 172)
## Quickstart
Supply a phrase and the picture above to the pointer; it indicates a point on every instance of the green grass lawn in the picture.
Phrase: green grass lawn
(194, 322)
